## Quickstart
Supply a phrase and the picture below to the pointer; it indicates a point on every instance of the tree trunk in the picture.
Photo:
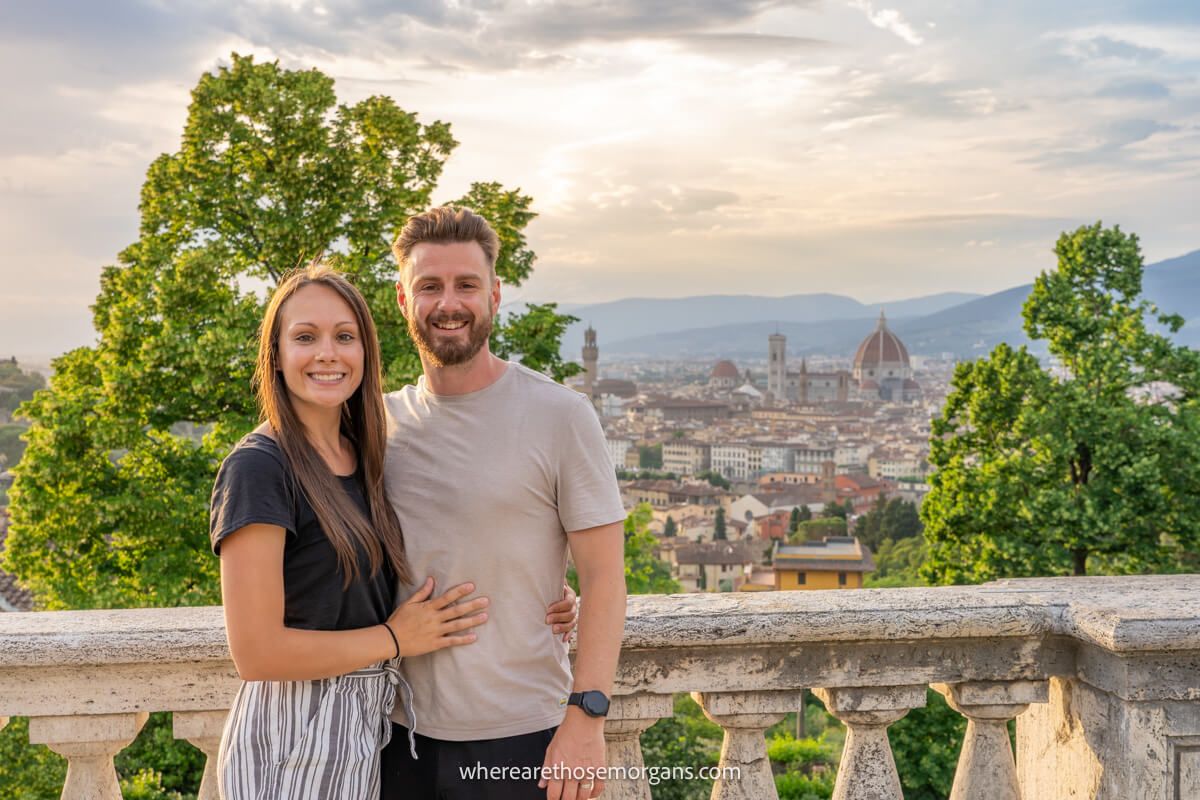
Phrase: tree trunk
(1080, 561)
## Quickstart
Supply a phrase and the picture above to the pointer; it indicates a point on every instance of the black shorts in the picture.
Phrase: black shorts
(486, 769)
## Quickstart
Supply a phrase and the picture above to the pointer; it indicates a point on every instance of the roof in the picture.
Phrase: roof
(615, 386)
(716, 553)
(724, 369)
(880, 347)
(833, 553)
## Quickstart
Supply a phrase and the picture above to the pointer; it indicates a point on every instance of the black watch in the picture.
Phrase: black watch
(594, 704)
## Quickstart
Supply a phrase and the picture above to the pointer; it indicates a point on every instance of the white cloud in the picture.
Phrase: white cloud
(889, 19)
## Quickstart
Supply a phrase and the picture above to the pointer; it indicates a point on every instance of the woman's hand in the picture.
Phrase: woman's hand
(423, 625)
(563, 614)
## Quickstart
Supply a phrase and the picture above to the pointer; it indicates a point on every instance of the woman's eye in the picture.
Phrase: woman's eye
(304, 338)
(345, 337)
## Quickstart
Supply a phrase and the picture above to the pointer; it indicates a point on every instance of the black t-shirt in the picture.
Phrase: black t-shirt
(255, 485)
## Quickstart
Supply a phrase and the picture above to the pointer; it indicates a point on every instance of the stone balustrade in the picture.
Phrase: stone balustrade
(1101, 674)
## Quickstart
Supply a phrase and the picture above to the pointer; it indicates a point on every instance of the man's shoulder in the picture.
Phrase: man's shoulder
(536, 387)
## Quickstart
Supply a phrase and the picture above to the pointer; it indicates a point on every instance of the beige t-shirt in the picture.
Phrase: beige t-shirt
(486, 486)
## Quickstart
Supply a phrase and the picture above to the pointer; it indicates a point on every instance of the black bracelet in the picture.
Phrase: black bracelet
(395, 641)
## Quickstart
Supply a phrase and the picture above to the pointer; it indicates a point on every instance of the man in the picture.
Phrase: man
(494, 470)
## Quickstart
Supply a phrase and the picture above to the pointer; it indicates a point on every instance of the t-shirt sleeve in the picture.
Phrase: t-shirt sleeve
(251, 487)
(587, 483)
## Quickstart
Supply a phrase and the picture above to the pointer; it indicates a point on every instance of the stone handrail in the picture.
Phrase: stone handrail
(1102, 674)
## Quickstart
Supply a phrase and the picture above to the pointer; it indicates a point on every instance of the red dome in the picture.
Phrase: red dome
(724, 369)
(881, 347)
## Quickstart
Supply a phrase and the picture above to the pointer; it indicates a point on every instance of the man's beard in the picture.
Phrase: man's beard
(448, 352)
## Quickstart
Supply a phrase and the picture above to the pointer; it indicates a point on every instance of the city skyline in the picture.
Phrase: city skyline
(875, 150)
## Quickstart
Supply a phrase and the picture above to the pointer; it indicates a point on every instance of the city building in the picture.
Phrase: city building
(713, 566)
(835, 562)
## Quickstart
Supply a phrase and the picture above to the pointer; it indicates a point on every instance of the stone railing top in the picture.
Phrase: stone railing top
(1119, 614)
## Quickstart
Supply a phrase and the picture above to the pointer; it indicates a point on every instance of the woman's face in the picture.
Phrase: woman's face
(320, 348)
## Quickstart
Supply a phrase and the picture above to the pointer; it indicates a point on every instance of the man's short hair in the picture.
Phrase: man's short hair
(446, 225)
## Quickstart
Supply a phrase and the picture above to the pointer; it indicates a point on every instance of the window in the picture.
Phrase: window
(800, 578)
(841, 579)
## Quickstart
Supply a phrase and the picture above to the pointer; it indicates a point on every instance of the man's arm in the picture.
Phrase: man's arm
(599, 556)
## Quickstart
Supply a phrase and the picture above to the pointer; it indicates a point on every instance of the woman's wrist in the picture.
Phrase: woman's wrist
(392, 638)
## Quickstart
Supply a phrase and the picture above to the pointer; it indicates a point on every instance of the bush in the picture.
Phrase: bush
(28, 771)
(925, 743)
(687, 739)
(798, 786)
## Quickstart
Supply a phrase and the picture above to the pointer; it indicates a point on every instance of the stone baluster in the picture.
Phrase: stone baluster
(867, 770)
(89, 744)
(745, 717)
(3, 722)
(986, 770)
(203, 729)
(628, 717)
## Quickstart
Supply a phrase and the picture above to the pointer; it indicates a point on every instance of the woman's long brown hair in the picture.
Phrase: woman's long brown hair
(363, 423)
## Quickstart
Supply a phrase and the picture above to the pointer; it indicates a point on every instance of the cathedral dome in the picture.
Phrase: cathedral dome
(881, 347)
(724, 369)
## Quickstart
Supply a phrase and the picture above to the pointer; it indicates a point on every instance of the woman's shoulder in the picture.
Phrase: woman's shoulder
(257, 451)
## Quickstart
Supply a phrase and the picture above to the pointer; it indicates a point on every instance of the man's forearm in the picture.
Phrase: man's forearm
(601, 627)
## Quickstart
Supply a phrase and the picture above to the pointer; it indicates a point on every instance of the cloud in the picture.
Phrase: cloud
(889, 19)
(1135, 90)
(1110, 147)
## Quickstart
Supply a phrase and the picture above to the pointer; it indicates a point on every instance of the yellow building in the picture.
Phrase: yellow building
(835, 562)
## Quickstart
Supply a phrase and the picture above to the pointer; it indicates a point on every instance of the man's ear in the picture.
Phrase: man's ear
(400, 298)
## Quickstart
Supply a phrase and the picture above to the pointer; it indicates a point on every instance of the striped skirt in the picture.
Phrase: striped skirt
(308, 740)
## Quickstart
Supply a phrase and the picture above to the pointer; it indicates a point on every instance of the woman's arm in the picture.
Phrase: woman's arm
(264, 649)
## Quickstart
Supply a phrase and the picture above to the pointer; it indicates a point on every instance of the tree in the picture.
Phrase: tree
(650, 456)
(892, 518)
(1089, 466)
(111, 497)
(794, 521)
(645, 573)
(719, 532)
(836, 509)
(714, 479)
(670, 529)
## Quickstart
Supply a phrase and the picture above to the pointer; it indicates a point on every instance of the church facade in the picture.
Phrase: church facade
(881, 372)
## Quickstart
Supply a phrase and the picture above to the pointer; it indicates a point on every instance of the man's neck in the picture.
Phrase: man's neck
(479, 373)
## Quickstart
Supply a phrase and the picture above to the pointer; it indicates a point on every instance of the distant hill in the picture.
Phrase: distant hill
(637, 317)
(968, 328)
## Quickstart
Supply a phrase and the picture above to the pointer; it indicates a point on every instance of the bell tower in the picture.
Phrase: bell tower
(591, 354)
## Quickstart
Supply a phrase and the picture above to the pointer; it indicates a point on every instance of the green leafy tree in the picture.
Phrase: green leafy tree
(686, 740)
(715, 479)
(817, 529)
(670, 528)
(650, 456)
(109, 507)
(889, 518)
(794, 520)
(645, 573)
(1090, 466)
(837, 509)
(898, 563)
(719, 530)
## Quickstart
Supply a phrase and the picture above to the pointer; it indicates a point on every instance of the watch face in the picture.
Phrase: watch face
(595, 703)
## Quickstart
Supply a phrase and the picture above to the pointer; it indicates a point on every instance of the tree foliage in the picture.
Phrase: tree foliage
(17, 385)
(720, 529)
(889, 518)
(1090, 465)
(645, 573)
(110, 500)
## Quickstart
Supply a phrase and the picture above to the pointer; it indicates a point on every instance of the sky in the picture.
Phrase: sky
(877, 149)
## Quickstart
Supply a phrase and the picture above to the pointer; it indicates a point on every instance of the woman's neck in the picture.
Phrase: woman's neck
(322, 428)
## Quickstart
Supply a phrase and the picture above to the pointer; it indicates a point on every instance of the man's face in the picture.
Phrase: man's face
(448, 297)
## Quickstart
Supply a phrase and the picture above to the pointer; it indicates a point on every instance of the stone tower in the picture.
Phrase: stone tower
(777, 367)
(591, 354)
(803, 381)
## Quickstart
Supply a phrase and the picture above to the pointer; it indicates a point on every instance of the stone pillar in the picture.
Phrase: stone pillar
(986, 770)
(3, 722)
(745, 717)
(89, 744)
(868, 771)
(203, 729)
(628, 717)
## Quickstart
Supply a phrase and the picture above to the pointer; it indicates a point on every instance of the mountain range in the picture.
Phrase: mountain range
(736, 326)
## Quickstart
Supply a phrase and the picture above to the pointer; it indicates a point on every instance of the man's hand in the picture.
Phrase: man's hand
(577, 750)
(562, 614)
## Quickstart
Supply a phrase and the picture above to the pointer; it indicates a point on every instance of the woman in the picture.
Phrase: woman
(311, 553)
